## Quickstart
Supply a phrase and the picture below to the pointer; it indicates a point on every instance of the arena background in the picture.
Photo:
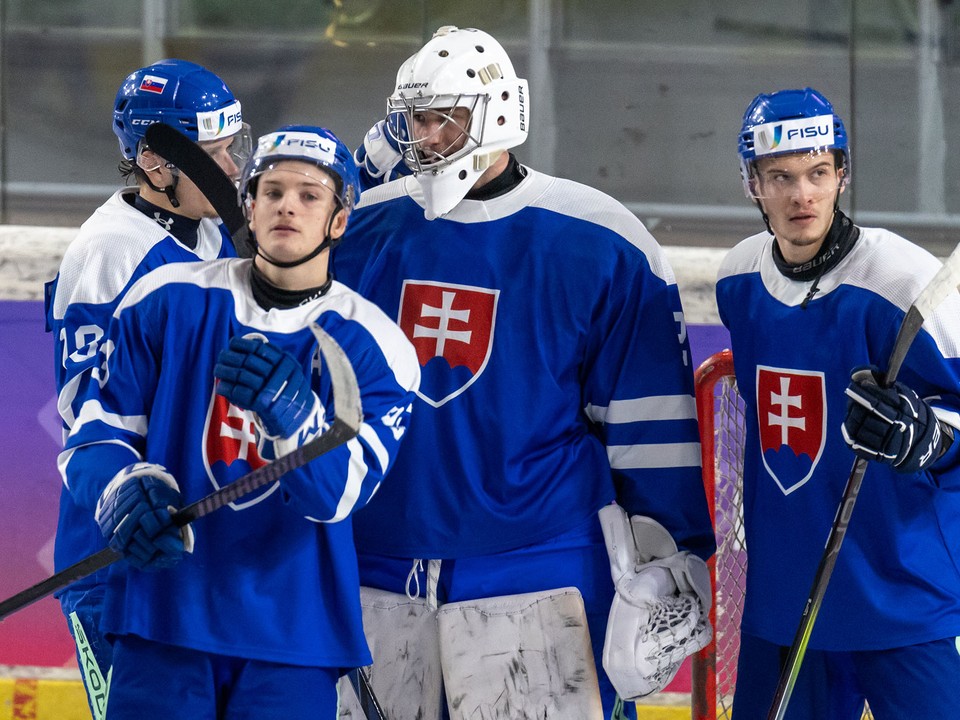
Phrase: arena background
(639, 98)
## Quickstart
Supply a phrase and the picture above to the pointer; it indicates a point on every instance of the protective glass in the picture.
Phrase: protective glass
(239, 149)
(429, 134)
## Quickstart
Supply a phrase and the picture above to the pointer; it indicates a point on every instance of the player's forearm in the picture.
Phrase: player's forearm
(87, 469)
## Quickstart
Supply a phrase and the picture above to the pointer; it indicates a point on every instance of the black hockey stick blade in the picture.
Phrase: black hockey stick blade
(946, 281)
(345, 427)
(368, 700)
(209, 177)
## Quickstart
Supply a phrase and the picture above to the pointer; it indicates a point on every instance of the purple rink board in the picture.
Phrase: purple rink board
(30, 483)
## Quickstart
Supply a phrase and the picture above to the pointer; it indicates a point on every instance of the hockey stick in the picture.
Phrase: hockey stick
(346, 426)
(937, 290)
(209, 177)
(364, 690)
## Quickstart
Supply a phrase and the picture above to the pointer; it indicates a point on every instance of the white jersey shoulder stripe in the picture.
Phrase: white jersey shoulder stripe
(881, 262)
(557, 195)
(109, 248)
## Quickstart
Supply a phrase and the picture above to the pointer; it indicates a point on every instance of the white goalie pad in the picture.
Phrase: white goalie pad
(659, 614)
(519, 656)
(405, 675)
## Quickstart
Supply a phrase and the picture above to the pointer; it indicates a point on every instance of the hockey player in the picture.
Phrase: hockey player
(209, 370)
(163, 219)
(556, 380)
(806, 302)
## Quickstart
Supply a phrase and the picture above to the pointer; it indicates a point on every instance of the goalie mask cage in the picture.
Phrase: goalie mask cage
(720, 412)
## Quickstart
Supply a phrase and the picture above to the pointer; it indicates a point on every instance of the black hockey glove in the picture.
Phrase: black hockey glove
(891, 425)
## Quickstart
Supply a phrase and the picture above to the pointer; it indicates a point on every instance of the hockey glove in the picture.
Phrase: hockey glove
(261, 377)
(379, 156)
(134, 515)
(890, 425)
(660, 613)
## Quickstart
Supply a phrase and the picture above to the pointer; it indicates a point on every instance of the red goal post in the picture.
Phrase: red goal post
(722, 431)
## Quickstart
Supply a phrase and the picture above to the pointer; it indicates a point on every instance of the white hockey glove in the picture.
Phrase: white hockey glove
(660, 613)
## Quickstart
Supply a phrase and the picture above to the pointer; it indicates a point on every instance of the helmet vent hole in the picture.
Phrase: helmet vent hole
(443, 53)
(504, 96)
(463, 175)
(501, 120)
(471, 73)
(480, 48)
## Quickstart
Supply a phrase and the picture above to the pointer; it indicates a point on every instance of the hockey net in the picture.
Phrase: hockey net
(722, 431)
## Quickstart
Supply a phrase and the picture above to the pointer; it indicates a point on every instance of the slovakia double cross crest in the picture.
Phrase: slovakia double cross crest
(791, 405)
(232, 448)
(451, 328)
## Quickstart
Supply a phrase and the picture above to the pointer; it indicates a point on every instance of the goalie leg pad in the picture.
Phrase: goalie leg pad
(519, 656)
(403, 639)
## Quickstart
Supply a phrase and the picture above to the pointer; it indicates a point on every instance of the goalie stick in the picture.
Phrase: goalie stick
(346, 426)
(946, 280)
(209, 177)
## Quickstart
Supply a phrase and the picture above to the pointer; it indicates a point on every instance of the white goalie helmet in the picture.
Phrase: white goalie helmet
(458, 68)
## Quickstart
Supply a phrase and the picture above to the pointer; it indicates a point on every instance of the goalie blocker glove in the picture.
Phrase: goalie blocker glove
(135, 515)
(892, 425)
(660, 612)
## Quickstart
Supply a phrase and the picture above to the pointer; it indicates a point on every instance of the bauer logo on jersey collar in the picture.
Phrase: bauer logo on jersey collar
(791, 409)
(793, 135)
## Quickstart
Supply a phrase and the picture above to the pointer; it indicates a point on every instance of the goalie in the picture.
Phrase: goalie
(556, 379)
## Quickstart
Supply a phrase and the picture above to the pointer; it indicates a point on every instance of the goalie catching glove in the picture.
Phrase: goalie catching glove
(135, 515)
(892, 425)
(660, 613)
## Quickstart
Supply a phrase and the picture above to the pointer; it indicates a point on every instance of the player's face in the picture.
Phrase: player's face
(440, 132)
(798, 193)
(293, 210)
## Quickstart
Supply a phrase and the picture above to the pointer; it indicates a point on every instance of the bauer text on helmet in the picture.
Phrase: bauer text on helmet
(461, 105)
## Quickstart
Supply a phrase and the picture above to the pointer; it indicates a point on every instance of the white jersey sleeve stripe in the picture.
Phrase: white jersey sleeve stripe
(93, 411)
(371, 438)
(356, 472)
(663, 455)
(660, 407)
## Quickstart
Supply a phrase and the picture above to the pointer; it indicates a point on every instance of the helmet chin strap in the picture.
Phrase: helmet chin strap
(169, 190)
(328, 242)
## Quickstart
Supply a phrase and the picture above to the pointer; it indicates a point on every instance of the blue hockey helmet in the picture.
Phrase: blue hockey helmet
(315, 145)
(178, 93)
(787, 122)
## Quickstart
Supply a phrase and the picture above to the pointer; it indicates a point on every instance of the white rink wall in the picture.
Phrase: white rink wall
(30, 256)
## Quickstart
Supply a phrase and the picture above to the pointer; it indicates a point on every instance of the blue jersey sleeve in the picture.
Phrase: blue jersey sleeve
(638, 389)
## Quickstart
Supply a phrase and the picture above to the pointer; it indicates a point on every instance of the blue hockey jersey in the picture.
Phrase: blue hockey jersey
(556, 370)
(897, 577)
(264, 581)
(115, 247)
